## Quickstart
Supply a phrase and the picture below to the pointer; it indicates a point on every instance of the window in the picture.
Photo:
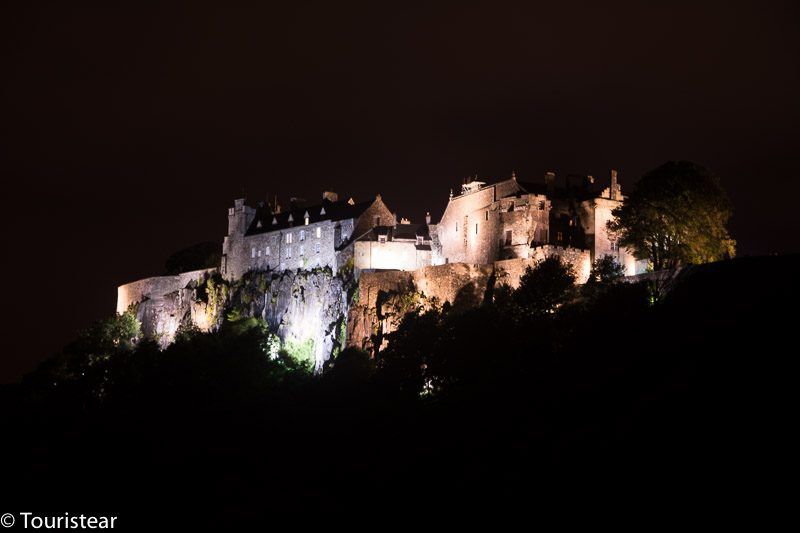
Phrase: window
(306, 219)
(487, 215)
(288, 251)
(614, 246)
(319, 232)
(266, 252)
(259, 252)
(288, 238)
(420, 239)
(381, 238)
(476, 228)
(253, 253)
(377, 221)
(317, 247)
(559, 236)
(302, 250)
(302, 234)
(456, 227)
(541, 205)
(508, 237)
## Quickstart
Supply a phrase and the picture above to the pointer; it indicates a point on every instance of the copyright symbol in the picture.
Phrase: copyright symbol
(7, 520)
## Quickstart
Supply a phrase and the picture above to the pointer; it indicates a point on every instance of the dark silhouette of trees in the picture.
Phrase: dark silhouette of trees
(535, 391)
(545, 287)
(195, 257)
(676, 215)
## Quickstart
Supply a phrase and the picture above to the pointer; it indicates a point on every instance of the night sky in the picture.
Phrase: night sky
(128, 131)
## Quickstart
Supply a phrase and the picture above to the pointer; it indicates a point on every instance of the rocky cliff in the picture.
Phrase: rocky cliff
(306, 309)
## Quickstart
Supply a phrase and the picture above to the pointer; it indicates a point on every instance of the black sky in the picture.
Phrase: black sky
(128, 131)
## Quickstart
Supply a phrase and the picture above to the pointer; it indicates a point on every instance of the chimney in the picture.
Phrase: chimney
(550, 181)
(428, 218)
(330, 196)
(614, 187)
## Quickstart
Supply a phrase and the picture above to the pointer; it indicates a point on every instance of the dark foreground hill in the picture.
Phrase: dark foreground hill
(628, 399)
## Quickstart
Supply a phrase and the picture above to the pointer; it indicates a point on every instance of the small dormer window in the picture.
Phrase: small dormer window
(306, 218)
(274, 221)
(291, 218)
(258, 224)
(322, 211)
(381, 238)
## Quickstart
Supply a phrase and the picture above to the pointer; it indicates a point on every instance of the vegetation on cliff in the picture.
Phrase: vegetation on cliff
(529, 394)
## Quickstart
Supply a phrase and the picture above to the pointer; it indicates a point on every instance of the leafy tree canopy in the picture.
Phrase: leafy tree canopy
(676, 215)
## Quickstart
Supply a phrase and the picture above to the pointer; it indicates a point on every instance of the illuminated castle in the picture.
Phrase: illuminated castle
(295, 264)
(485, 223)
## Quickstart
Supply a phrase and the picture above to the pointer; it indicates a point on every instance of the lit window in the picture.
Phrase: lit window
(259, 253)
(266, 252)
(288, 251)
(319, 232)
(288, 238)
(306, 221)
(253, 253)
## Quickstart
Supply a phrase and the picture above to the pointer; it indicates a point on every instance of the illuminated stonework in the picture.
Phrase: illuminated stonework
(295, 268)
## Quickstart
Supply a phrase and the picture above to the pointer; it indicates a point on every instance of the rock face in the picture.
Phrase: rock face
(314, 312)
(163, 303)
(306, 309)
(385, 297)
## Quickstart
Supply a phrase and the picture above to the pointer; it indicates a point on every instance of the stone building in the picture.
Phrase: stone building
(405, 246)
(512, 219)
(302, 237)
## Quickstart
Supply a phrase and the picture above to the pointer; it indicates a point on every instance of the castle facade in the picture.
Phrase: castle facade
(483, 224)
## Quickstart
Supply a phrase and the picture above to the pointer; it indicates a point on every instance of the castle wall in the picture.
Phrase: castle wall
(510, 271)
(311, 246)
(398, 255)
(164, 302)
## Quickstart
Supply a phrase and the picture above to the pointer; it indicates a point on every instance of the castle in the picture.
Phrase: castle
(485, 223)
(304, 268)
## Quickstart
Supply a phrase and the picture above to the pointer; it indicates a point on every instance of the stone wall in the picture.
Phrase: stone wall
(164, 302)
(385, 297)
(394, 255)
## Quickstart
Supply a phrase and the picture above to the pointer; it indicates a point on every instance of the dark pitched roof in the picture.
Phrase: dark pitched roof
(327, 210)
(401, 231)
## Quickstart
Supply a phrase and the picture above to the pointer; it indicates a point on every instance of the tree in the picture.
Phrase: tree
(546, 287)
(676, 215)
(606, 270)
